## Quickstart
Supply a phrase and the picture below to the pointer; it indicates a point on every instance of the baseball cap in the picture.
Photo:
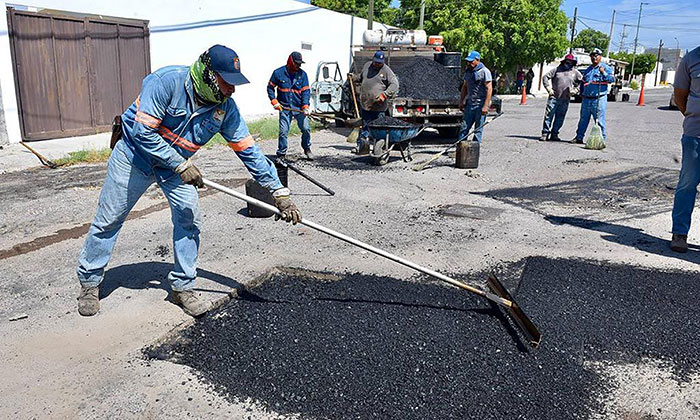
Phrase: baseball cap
(378, 57)
(225, 62)
(296, 57)
(596, 51)
(570, 57)
(473, 55)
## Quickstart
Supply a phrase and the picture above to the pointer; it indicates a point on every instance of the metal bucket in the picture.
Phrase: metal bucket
(467, 156)
(255, 190)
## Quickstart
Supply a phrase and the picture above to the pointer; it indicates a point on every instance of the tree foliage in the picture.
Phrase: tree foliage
(507, 33)
(589, 39)
(382, 12)
(643, 63)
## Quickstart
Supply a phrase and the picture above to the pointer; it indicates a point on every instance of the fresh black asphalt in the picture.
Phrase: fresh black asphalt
(368, 347)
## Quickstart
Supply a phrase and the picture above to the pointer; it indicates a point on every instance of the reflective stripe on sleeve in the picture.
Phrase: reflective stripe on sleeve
(241, 145)
(177, 140)
(147, 120)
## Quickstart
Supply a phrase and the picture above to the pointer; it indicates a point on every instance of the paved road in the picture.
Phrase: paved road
(526, 199)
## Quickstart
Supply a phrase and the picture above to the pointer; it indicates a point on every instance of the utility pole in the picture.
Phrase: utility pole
(573, 31)
(612, 25)
(623, 35)
(370, 15)
(422, 14)
(636, 38)
(658, 58)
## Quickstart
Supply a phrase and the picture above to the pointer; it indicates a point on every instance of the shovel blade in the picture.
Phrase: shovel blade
(526, 326)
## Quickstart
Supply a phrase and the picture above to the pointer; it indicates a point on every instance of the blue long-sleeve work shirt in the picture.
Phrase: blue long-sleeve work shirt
(293, 90)
(165, 126)
(595, 84)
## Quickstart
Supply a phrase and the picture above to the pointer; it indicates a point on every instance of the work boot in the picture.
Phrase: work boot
(364, 148)
(679, 243)
(191, 303)
(576, 140)
(309, 155)
(554, 137)
(543, 137)
(89, 301)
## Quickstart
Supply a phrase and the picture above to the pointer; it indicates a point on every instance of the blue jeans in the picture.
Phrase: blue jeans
(684, 200)
(285, 123)
(123, 186)
(472, 115)
(554, 113)
(592, 108)
(367, 117)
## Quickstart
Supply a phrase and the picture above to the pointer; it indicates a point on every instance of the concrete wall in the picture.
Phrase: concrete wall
(263, 33)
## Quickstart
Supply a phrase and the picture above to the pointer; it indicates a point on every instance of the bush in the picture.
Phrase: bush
(634, 85)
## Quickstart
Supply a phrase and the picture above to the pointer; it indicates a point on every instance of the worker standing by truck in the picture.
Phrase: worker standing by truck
(292, 85)
(559, 83)
(595, 95)
(179, 110)
(475, 99)
(378, 84)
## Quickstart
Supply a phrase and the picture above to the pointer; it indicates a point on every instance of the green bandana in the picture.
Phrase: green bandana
(204, 79)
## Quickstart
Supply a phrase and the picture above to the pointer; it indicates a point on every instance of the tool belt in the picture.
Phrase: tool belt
(116, 131)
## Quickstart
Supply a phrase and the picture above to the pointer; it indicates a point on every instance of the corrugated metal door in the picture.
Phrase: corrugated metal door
(73, 74)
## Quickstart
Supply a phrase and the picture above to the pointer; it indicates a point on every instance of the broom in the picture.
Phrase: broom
(355, 133)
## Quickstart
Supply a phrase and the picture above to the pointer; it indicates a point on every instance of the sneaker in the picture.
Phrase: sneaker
(191, 303)
(309, 155)
(89, 301)
(576, 140)
(679, 243)
(543, 137)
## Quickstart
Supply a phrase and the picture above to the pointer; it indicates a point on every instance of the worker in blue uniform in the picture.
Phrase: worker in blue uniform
(292, 102)
(596, 79)
(179, 110)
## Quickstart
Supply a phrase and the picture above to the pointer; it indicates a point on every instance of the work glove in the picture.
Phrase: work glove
(381, 98)
(306, 110)
(190, 174)
(550, 91)
(276, 105)
(289, 211)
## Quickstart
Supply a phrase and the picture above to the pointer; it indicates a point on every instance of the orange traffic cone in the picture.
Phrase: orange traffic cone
(641, 95)
(523, 98)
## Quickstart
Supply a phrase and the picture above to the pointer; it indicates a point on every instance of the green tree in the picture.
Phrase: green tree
(643, 63)
(588, 39)
(382, 12)
(508, 33)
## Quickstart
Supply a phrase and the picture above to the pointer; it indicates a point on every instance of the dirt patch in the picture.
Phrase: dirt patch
(638, 192)
(376, 347)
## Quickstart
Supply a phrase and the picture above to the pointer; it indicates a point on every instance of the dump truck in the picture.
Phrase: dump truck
(429, 80)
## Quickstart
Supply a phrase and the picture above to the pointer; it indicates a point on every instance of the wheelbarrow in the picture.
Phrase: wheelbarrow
(386, 138)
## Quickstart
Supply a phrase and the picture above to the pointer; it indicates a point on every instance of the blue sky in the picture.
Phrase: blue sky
(660, 20)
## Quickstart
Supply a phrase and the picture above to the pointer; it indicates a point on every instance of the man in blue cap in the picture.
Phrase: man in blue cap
(292, 85)
(596, 79)
(179, 110)
(475, 99)
(378, 84)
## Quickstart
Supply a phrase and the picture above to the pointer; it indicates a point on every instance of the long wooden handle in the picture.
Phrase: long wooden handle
(354, 99)
(490, 296)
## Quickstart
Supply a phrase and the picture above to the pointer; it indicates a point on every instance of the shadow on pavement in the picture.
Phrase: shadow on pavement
(153, 275)
(628, 236)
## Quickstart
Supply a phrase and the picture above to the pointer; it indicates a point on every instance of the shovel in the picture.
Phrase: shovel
(355, 133)
(499, 296)
(42, 159)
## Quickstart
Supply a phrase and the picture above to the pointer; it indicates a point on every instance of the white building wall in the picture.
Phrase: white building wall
(262, 32)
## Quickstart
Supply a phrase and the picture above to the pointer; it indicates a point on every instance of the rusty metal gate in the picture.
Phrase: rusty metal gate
(74, 73)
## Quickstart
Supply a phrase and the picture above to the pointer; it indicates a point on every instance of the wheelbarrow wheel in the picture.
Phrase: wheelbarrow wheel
(380, 156)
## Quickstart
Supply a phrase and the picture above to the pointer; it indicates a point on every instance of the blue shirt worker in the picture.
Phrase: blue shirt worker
(476, 91)
(558, 82)
(686, 93)
(292, 102)
(179, 110)
(595, 95)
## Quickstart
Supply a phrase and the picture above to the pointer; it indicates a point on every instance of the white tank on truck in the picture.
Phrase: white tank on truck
(375, 37)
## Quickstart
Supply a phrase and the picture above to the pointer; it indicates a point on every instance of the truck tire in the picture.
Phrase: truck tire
(447, 132)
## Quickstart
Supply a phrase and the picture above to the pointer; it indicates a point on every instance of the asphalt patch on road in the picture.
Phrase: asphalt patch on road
(637, 192)
(368, 347)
